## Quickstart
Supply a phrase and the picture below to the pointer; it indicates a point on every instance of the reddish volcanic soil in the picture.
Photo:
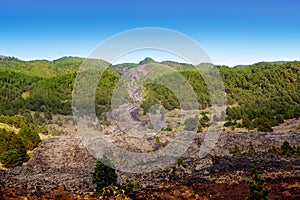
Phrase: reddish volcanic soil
(281, 189)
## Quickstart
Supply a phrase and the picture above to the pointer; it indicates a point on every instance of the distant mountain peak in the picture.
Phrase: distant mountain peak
(3, 57)
(147, 60)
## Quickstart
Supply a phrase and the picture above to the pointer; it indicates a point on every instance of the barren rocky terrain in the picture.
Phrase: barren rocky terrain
(63, 162)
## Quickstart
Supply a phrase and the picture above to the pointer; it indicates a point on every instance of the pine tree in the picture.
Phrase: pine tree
(104, 173)
(236, 150)
(257, 191)
(30, 137)
(251, 148)
(286, 149)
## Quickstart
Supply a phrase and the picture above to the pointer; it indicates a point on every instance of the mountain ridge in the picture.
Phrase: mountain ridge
(146, 60)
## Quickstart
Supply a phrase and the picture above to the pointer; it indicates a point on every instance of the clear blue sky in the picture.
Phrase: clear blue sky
(231, 31)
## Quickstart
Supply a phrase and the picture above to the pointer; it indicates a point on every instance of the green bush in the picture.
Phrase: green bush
(179, 161)
(251, 148)
(129, 186)
(257, 190)
(31, 138)
(157, 140)
(200, 128)
(247, 123)
(289, 166)
(11, 158)
(12, 149)
(205, 118)
(279, 118)
(274, 149)
(286, 149)
(168, 128)
(204, 121)
(104, 173)
(230, 124)
(236, 150)
(265, 128)
(4, 140)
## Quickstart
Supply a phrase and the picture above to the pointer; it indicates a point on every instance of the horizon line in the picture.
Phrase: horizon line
(138, 61)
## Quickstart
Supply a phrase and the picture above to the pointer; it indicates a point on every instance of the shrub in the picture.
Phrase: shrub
(265, 128)
(104, 173)
(257, 191)
(251, 148)
(11, 158)
(200, 128)
(157, 140)
(236, 150)
(289, 166)
(286, 149)
(12, 149)
(30, 138)
(5, 140)
(179, 161)
(205, 118)
(227, 124)
(274, 149)
(48, 115)
(247, 123)
(129, 186)
(230, 123)
(279, 118)
(168, 128)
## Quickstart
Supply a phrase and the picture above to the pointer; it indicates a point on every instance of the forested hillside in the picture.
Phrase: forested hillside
(42, 68)
(266, 94)
(259, 96)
